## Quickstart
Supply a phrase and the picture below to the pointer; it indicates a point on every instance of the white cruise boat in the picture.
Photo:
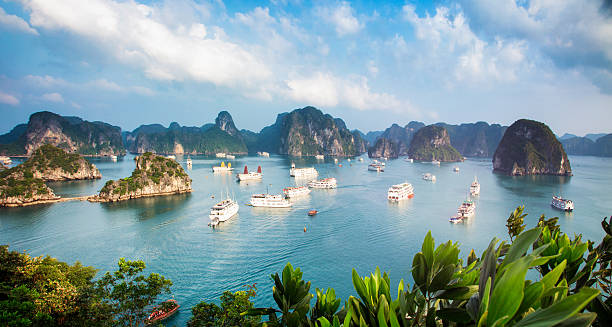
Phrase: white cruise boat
(466, 210)
(361, 159)
(171, 156)
(302, 172)
(335, 160)
(189, 163)
(562, 204)
(323, 183)
(400, 192)
(376, 166)
(248, 176)
(292, 192)
(230, 156)
(319, 157)
(223, 211)
(220, 155)
(269, 201)
(429, 177)
(263, 154)
(6, 160)
(409, 160)
(113, 157)
(475, 187)
(456, 169)
(223, 168)
(435, 162)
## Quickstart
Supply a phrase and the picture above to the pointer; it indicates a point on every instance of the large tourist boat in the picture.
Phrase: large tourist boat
(400, 192)
(323, 183)
(223, 211)
(302, 172)
(475, 187)
(466, 210)
(429, 177)
(319, 157)
(162, 312)
(223, 168)
(220, 155)
(376, 166)
(247, 176)
(263, 154)
(562, 204)
(269, 201)
(292, 192)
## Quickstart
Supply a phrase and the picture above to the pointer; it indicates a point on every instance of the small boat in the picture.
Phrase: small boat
(335, 160)
(189, 163)
(429, 177)
(7, 160)
(223, 168)
(475, 187)
(269, 201)
(435, 162)
(292, 192)
(162, 312)
(324, 183)
(171, 156)
(349, 159)
(312, 212)
(223, 211)
(400, 192)
(263, 154)
(246, 175)
(302, 172)
(409, 160)
(361, 159)
(220, 155)
(562, 204)
(376, 166)
(230, 156)
(456, 219)
(319, 157)
(113, 157)
(456, 169)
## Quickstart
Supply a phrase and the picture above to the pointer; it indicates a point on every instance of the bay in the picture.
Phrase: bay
(356, 226)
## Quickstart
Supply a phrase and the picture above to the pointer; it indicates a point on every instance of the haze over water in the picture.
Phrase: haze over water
(356, 226)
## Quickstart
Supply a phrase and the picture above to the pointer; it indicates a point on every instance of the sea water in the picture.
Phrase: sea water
(356, 227)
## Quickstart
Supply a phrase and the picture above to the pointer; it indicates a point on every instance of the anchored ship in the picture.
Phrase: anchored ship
(292, 192)
(399, 192)
(246, 175)
(223, 168)
(562, 204)
(475, 187)
(323, 183)
(223, 211)
(302, 172)
(269, 201)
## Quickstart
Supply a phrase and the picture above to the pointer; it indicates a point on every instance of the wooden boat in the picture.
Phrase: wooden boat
(312, 212)
(160, 314)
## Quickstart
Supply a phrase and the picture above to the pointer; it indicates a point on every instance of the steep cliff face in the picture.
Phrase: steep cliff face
(69, 133)
(154, 175)
(475, 140)
(401, 136)
(383, 148)
(530, 148)
(223, 136)
(433, 142)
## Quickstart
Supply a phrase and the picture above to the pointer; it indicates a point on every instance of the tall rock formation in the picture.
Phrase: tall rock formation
(530, 148)
(69, 133)
(475, 139)
(433, 142)
(383, 148)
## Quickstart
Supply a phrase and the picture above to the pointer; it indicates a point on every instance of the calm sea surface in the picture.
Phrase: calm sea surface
(356, 227)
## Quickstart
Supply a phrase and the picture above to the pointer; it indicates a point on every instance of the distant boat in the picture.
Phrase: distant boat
(324, 183)
(399, 192)
(409, 160)
(429, 177)
(466, 210)
(160, 314)
(113, 157)
(189, 163)
(263, 154)
(376, 166)
(311, 213)
(223, 211)
(220, 155)
(562, 204)
(435, 162)
(269, 201)
(456, 169)
(292, 192)
(475, 187)
(335, 160)
(6, 160)
(246, 175)
(319, 157)
(361, 159)
(302, 172)
(171, 156)
(229, 156)
(223, 168)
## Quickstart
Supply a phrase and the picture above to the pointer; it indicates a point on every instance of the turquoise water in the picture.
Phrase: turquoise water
(356, 227)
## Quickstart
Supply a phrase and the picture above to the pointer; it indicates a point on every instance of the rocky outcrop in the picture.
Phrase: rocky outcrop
(223, 136)
(69, 133)
(400, 136)
(530, 148)
(383, 148)
(433, 143)
(585, 146)
(308, 132)
(154, 175)
(475, 139)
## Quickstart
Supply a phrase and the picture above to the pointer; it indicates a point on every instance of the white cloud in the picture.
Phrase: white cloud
(16, 23)
(342, 18)
(45, 81)
(325, 89)
(132, 33)
(53, 97)
(8, 99)
(104, 84)
(75, 105)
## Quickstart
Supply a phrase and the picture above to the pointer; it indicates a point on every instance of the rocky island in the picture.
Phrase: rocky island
(383, 148)
(433, 143)
(530, 148)
(154, 175)
(25, 184)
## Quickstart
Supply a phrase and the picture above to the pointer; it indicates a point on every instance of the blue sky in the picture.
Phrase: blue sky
(371, 63)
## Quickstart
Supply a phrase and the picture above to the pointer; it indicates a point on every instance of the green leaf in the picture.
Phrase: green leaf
(419, 271)
(521, 244)
(560, 311)
(442, 278)
(454, 314)
(484, 303)
(488, 268)
(508, 292)
(360, 286)
(579, 320)
(428, 249)
(533, 293)
(458, 293)
(550, 280)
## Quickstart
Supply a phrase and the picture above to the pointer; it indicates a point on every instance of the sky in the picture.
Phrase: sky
(371, 63)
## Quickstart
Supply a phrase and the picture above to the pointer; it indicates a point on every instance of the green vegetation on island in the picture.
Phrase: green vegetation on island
(541, 277)
(153, 175)
(530, 148)
(433, 143)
